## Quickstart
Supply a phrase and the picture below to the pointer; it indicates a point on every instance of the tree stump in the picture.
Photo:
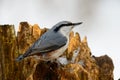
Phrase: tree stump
(78, 62)
(9, 69)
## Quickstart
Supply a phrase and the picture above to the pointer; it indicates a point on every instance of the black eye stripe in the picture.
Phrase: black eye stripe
(57, 28)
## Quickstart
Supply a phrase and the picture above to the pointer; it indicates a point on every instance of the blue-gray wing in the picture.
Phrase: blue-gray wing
(50, 41)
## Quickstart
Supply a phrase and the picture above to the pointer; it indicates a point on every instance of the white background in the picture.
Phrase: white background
(101, 20)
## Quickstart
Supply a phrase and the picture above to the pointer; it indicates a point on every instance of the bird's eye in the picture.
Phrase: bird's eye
(62, 25)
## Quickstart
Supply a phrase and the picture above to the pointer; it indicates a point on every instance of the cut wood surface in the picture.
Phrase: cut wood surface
(79, 63)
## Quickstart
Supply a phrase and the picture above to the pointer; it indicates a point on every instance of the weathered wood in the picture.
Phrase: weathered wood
(7, 50)
(27, 35)
(79, 67)
(9, 70)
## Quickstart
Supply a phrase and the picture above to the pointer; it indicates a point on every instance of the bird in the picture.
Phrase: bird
(52, 43)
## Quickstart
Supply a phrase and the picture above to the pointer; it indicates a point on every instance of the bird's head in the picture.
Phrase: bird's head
(65, 27)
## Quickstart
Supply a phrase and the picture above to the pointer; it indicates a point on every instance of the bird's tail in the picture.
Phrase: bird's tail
(19, 58)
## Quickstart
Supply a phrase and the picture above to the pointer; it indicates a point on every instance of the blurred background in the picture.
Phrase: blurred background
(101, 20)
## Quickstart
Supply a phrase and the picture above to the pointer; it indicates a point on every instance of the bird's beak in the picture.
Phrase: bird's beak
(75, 24)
